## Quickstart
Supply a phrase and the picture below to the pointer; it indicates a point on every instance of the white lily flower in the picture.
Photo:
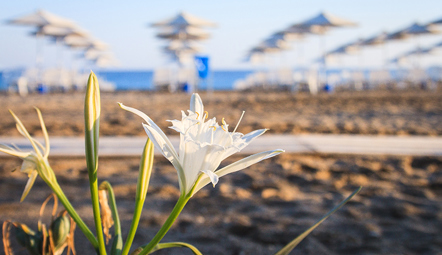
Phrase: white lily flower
(203, 145)
(34, 162)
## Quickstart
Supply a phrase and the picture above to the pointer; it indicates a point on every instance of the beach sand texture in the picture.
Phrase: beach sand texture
(258, 210)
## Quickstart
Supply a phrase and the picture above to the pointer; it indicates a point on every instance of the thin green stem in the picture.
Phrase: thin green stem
(70, 209)
(97, 216)
(182, 201)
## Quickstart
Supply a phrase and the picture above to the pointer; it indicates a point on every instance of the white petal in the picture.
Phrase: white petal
(22, 130)
(196, 105)
(212, 176)
(8, 150)
(29, 184)
(168, 152)
(239, 165)
(248, 138)
(152, 124)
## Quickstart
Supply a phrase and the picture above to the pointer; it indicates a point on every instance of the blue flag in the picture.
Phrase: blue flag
(202, 66)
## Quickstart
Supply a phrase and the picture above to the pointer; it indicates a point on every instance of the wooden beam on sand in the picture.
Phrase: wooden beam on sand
(305, 143)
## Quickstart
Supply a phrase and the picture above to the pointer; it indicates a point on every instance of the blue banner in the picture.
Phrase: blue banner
(202, 66)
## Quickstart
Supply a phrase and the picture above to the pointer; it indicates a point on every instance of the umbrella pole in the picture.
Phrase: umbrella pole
(324, 60)
(39, 58)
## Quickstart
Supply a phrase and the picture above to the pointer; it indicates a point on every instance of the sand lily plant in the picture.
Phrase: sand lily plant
(204, 144)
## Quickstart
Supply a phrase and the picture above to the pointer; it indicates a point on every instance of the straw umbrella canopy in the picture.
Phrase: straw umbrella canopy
(377, 39)
(39, 19)
(349, 48)
(436, 22)
(75, 41)
(183, 33)
(60, 32)
(323, 21)
(414, 30)
(182, 45)
(184, 19)
(321, 24)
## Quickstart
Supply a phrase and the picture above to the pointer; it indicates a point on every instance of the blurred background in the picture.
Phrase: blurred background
(350, 89)
(245, 45)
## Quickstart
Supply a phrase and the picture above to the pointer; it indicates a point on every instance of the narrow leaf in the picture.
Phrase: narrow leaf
(161, 246)
(289, 247)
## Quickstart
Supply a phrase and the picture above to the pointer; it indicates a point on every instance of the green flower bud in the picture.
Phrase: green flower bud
(60, 231)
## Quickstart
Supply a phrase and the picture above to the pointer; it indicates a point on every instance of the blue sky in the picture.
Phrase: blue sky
(241, 25)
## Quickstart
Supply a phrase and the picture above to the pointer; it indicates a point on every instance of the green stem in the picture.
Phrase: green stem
(70, 209)
(97, 217)
(142, 186)
(133, 228)
(182, 201)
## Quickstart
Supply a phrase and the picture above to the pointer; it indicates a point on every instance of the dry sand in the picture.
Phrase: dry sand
(258, 210)
(374, 112)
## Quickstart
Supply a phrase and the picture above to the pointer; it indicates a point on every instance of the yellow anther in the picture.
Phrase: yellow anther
(214, 128)
(206, 114)
(198, 115)
(224, 124)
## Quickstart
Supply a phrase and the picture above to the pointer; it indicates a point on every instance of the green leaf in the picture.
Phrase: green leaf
(176, 245)
(92, 111)
(289, 247)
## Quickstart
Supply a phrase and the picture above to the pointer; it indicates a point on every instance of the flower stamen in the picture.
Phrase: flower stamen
(240, 118)
(206, 115)
(198, 115)
(224, 125)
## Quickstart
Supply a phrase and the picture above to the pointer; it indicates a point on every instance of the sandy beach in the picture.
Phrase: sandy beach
(366, 112)
(258, 210)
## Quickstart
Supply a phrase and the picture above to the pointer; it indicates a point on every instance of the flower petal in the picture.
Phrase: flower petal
(8, 150)
(239, 165)
(29, 184)
(45, 133)
(212, 176)
(152, 124)
(22, 130)
(248, 138)
(196, 105)
(168, 152)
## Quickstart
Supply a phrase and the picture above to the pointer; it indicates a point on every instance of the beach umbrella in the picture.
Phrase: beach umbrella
(321, 24)
(324, 21)
(436, 22)
(182, 45)
(185, 33)
(75, 41)
(414, 30)
(39, 19)
(377, 39)
(59, 32)
(184, 19)
(349, 48)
